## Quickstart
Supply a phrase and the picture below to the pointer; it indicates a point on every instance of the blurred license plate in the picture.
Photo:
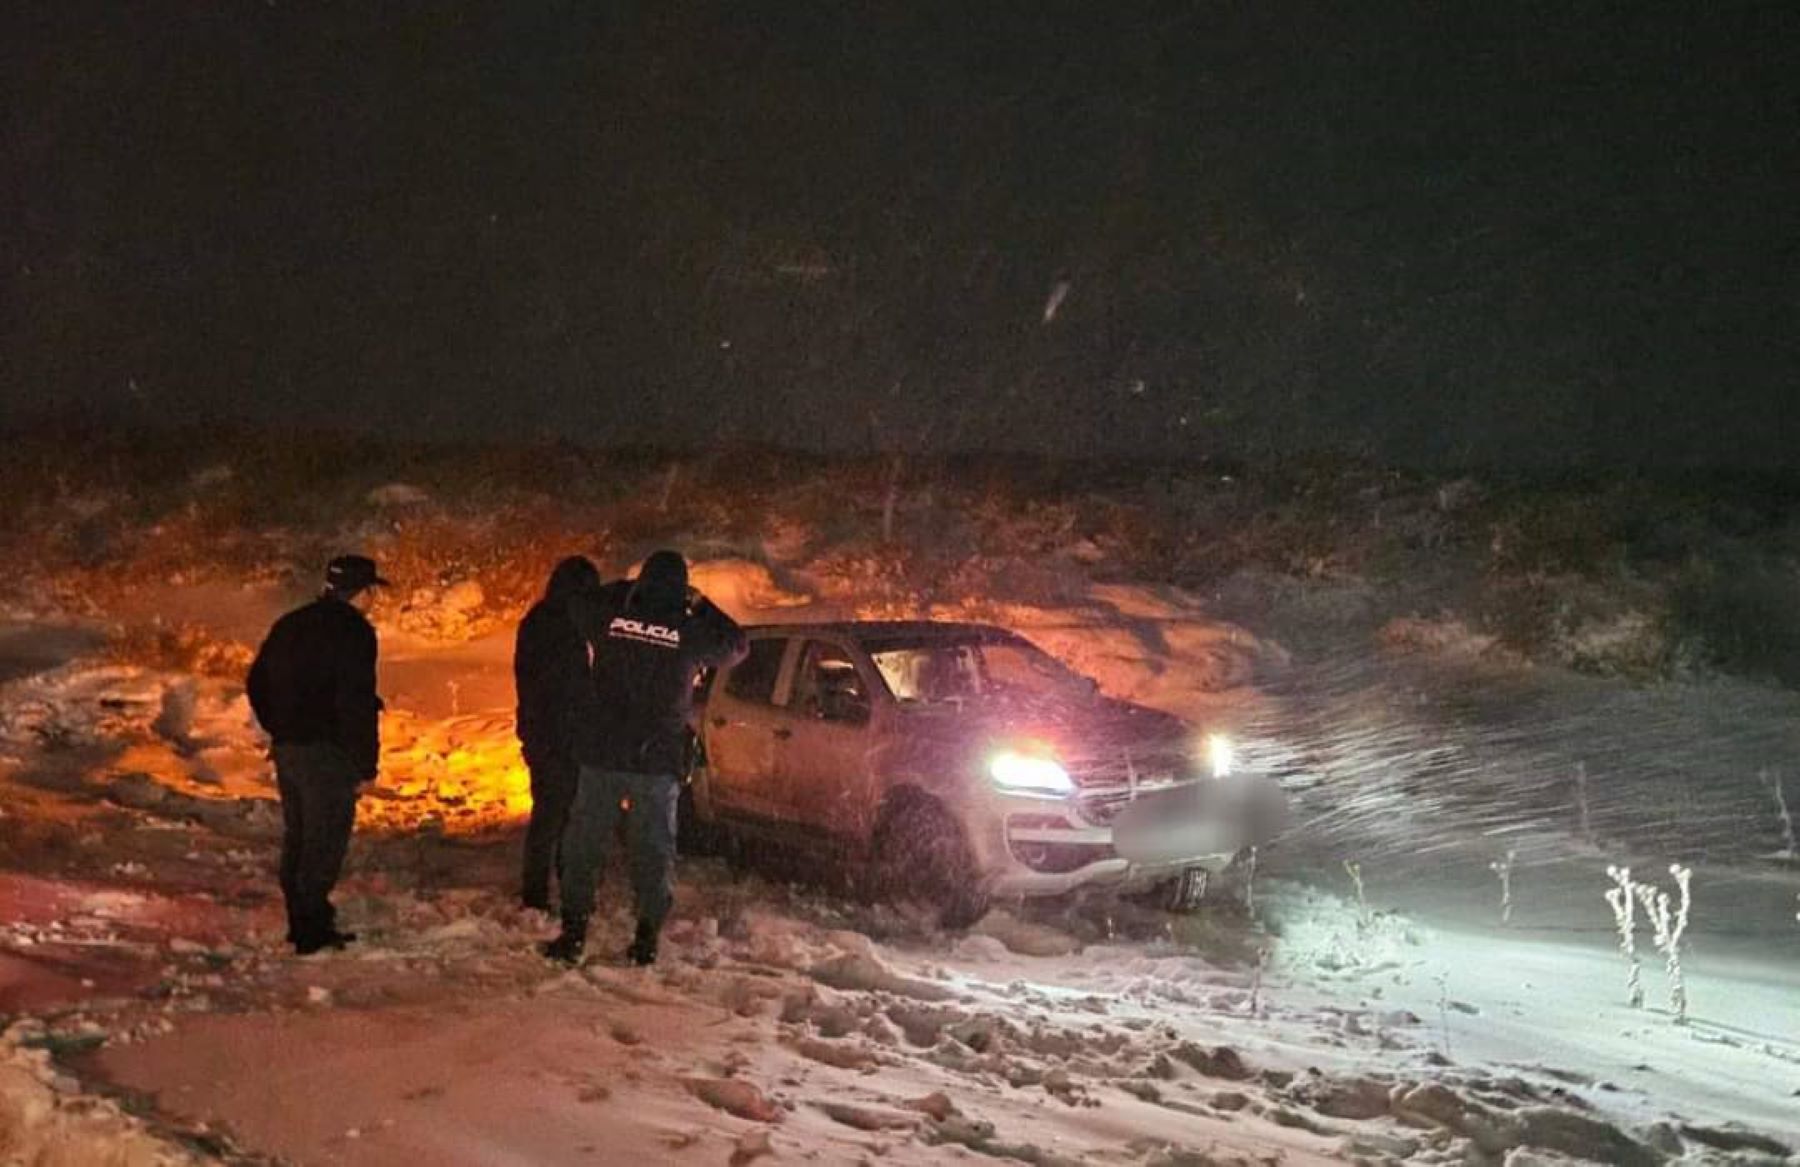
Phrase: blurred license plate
(1197, 820)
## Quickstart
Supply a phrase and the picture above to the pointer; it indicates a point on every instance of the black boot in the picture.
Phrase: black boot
(643, 947)
(567, 948)
(306, 945)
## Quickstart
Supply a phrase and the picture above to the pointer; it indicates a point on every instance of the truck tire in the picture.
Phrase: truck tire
(922, 858)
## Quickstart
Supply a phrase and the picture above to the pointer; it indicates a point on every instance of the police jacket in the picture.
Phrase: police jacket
(313, 680)
(648, 647)
(550, 668)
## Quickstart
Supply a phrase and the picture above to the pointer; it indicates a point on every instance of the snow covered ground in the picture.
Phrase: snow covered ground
(1401, 1020)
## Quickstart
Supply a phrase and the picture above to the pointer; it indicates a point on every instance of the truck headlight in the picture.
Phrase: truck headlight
(1022, 773)
(1220, 754)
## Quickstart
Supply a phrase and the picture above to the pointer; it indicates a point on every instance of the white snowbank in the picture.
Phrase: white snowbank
(46, 1122)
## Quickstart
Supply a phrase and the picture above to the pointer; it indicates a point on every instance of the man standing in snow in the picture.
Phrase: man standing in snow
(550, 673)
(649, 637)
(312, 687)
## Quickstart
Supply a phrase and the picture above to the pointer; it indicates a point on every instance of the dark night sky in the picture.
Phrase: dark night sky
(1534, 234)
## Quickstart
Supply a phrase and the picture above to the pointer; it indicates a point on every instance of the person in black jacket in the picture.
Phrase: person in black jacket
(550, 673)
(312, 687)
(649, 638)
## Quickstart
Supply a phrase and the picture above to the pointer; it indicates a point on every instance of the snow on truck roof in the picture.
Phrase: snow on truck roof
(883, 630)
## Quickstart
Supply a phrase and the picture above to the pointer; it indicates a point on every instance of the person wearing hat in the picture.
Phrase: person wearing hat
(550, 674)
(649, 638)
(312, 688)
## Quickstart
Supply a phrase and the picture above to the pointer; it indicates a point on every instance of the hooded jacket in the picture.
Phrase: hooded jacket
(649, 637)
(550, 664)
(313, 681)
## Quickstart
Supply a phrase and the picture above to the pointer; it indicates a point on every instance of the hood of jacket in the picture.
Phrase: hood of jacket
(574, 574)
(661, 584)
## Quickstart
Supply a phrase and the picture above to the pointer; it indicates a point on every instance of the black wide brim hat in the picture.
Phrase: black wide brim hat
(352, 573)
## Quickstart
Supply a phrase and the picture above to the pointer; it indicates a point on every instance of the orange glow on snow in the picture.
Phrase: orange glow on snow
(461, 773)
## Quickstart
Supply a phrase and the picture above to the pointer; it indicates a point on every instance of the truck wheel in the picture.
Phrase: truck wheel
(922, 858)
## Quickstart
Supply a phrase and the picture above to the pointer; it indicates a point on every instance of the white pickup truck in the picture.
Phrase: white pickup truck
(959, 763)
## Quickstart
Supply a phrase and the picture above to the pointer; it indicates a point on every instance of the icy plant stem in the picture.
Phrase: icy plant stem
(1677, 985)
(1503, 868)
(1356, 880)
(1668, 923)
(1250, 885)
(1443, 983)
(1623, 901)
(1789, 848)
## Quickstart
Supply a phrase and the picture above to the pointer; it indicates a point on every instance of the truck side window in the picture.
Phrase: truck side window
(754, 677)
(829, 685)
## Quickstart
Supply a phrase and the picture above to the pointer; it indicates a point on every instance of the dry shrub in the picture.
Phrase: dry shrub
(1740, 617)
(186, 648)
(871, 580)
(459, 575)
(1438, 636)
(1628, 643)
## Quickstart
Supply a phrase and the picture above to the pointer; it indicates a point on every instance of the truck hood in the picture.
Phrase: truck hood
(1095, 740)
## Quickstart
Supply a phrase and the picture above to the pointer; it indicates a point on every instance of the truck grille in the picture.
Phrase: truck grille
(1108, 786)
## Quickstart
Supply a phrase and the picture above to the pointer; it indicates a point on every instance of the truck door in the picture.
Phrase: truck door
(827, 777)
(744, 729)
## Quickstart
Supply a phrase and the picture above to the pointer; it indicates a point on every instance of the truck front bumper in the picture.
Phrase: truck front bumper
(1047, 851)
(1048, 846)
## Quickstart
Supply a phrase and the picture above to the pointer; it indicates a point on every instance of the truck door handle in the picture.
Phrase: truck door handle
(784, 733)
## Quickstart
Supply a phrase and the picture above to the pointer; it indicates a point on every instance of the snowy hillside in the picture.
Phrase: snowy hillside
(1424, 970)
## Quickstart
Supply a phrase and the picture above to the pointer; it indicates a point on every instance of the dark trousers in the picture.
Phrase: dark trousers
(650, 834)
(318, 809)
(553, 783)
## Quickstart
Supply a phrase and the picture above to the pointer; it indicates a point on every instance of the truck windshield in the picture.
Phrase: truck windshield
(942, 671)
